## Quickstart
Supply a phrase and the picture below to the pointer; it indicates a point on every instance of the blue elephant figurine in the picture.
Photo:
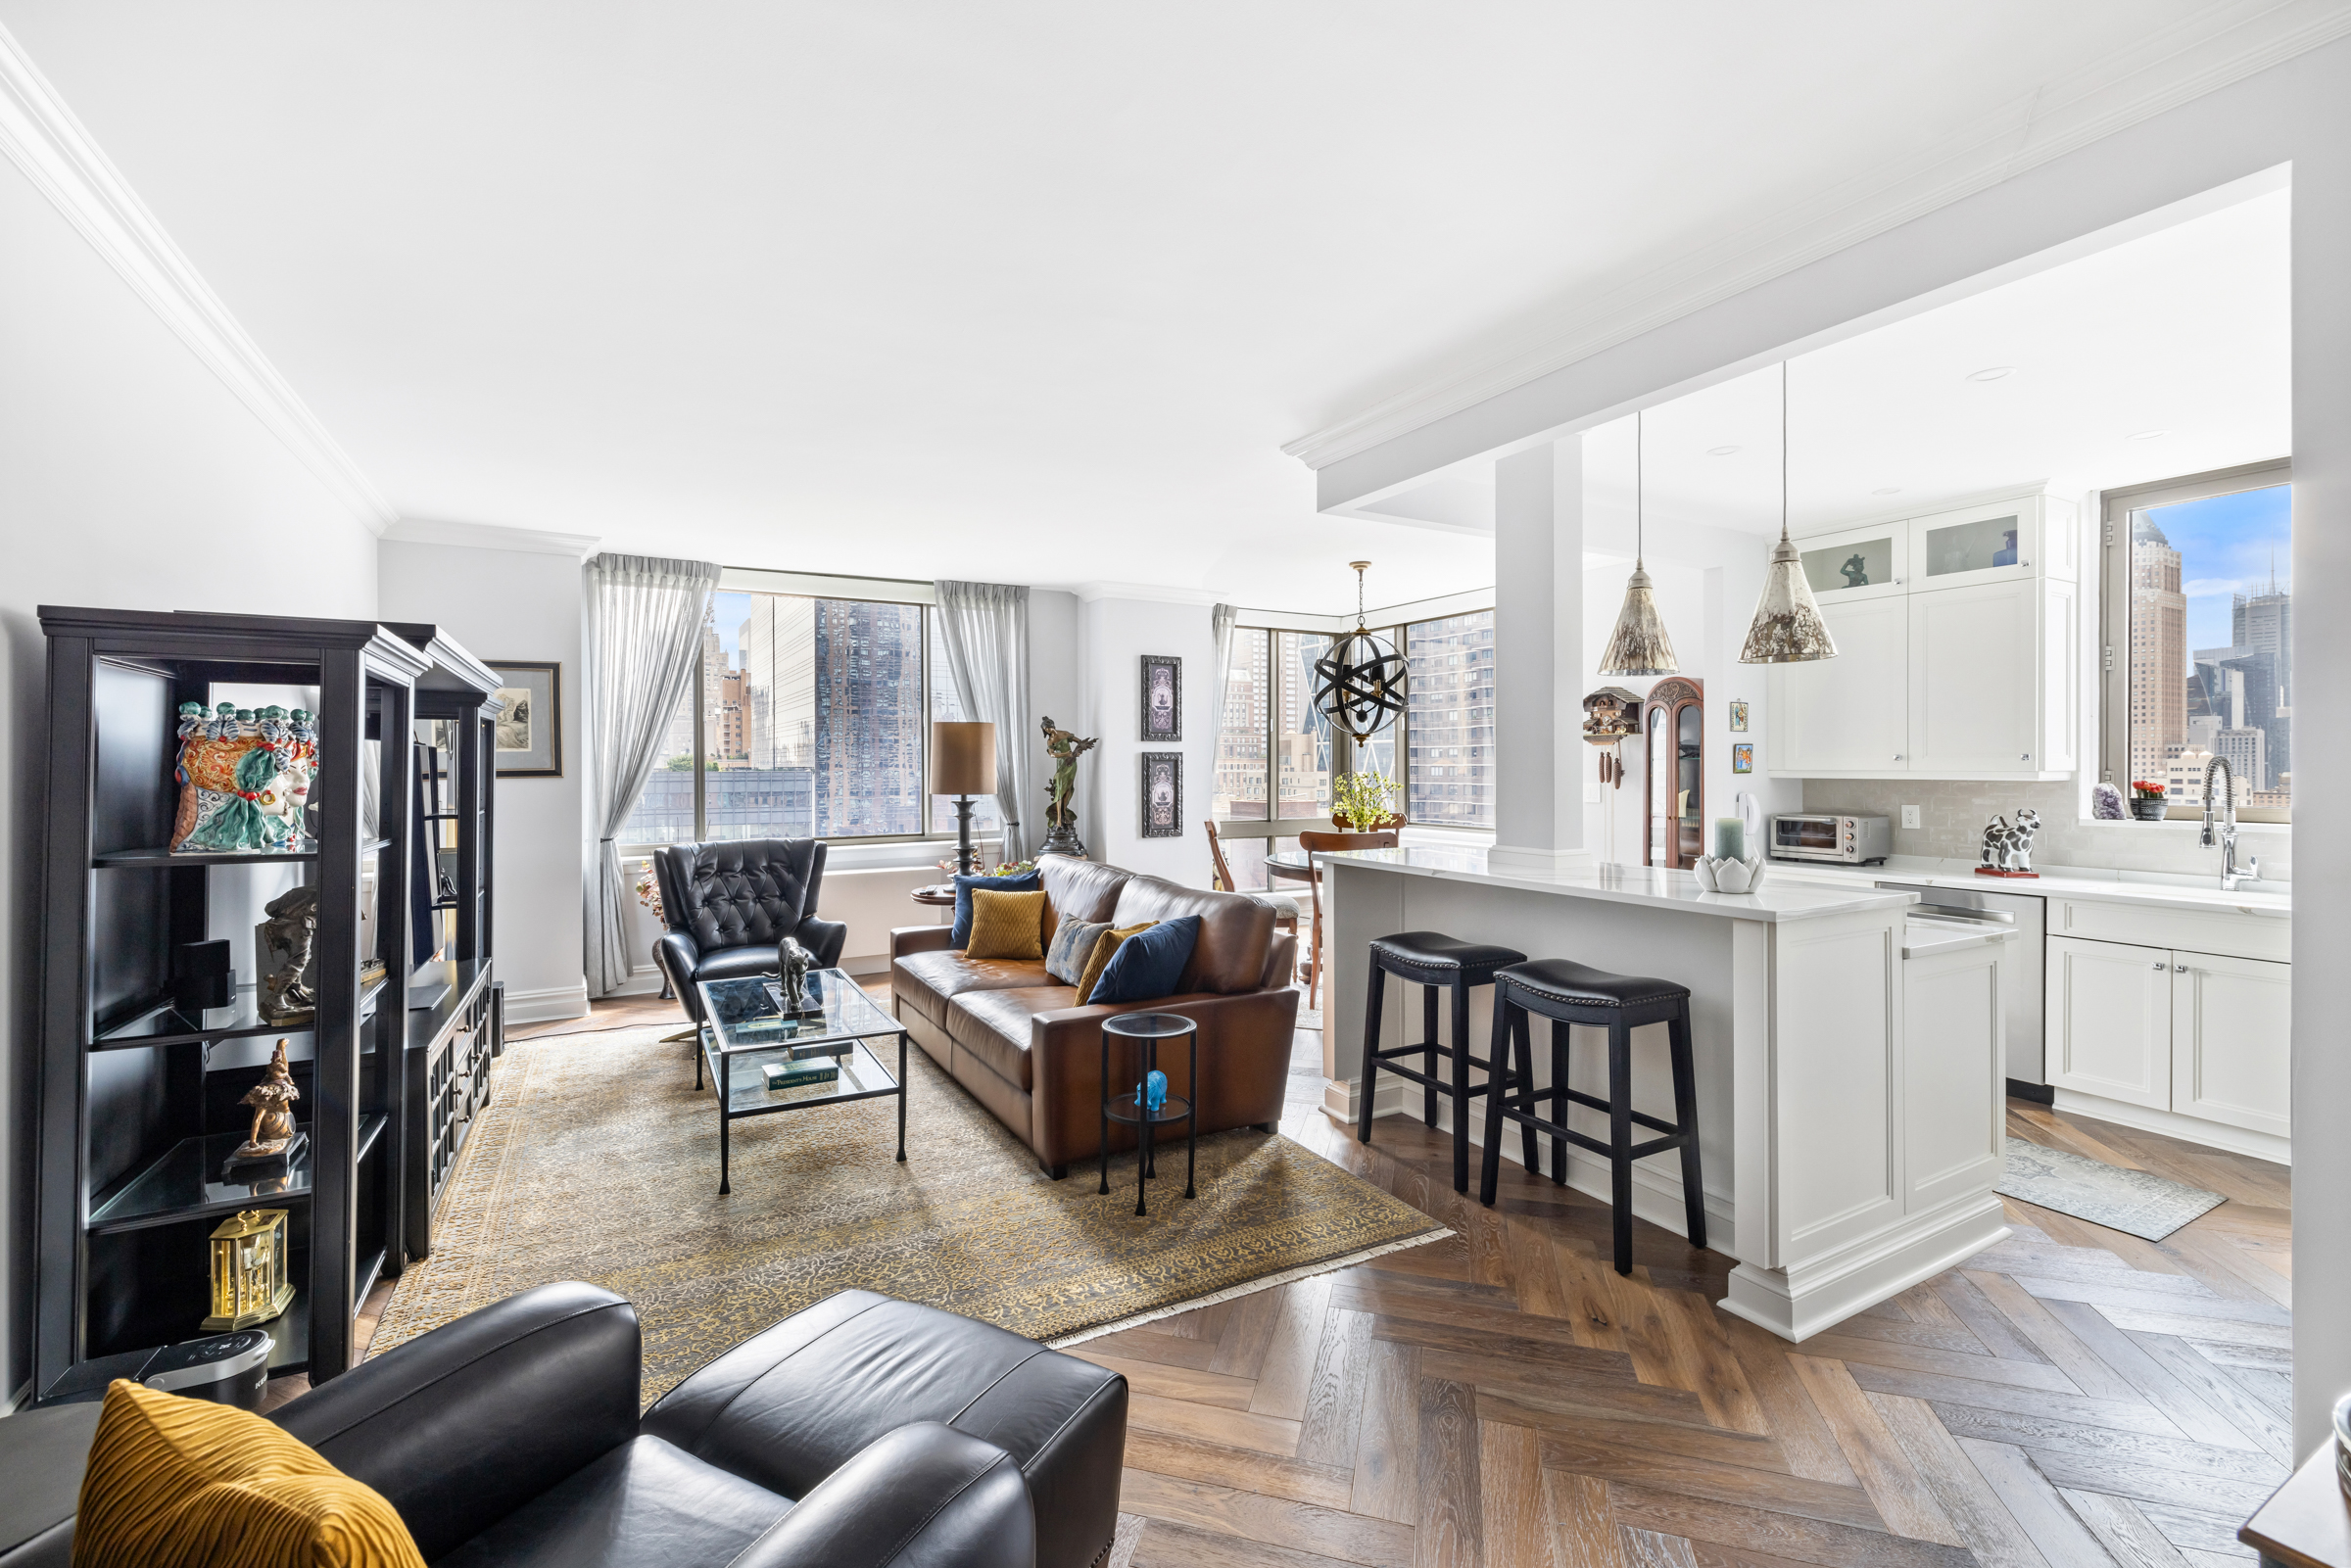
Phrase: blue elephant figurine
(1155, 1091)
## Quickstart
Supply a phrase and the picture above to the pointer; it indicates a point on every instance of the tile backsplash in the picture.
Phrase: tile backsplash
(1952, 815)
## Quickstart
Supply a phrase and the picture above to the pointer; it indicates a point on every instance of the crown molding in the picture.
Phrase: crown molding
(1143, 594)
(2224, 43)
(491, 535)
(41, 136)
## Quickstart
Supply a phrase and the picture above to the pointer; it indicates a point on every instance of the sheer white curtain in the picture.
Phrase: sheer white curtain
(1220, 621)
(644, 629)
(984, 629)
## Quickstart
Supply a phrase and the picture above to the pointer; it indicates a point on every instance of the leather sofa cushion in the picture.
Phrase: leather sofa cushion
(1235, 931)
(1082, 889)
(646, 1502)
(994, 1025)
(931, 980)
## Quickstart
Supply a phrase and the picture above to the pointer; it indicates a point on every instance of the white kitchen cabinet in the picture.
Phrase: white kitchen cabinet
(2108, 1012)
(1988, 665)
(1859, 563)
(1851, 714)
(2231, 1033)
(1954, 1079)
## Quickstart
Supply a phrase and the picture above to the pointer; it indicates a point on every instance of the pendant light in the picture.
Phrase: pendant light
(1786, 628)
(1639, 645)
(1359, 686)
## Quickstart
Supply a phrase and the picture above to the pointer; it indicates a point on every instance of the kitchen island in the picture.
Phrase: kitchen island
(1850, 1132)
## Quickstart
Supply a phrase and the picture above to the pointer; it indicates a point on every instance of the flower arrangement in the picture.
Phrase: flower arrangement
(1010, 868)
(1364, 801)
(648, 892)
(2143, 790)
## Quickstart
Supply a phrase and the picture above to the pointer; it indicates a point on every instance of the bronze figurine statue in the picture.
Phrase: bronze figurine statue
(796, 962)
(272, 1101)
(284, 943)
(1061, 812)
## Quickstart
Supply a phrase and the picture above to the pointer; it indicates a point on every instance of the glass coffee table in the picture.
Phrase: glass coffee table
(745, 1034)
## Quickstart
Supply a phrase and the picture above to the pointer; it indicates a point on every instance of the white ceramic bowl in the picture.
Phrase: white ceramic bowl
(1725, 875)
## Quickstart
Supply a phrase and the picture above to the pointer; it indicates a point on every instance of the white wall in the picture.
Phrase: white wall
(1114, 635)
(130, 477)
(507, 604)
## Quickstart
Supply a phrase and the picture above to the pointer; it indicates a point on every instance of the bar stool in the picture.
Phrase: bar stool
(1433, 959)
(1567, 993)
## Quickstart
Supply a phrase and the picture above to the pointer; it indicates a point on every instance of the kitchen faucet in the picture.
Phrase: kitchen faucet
(2230, 876)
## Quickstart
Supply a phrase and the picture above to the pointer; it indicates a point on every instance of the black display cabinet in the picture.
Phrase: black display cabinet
(138, 1097)
(460, 1027)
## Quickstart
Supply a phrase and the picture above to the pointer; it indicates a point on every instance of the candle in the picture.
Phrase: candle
(1730, 838)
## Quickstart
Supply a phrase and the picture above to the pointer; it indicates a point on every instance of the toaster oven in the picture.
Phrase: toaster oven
(1847, 840)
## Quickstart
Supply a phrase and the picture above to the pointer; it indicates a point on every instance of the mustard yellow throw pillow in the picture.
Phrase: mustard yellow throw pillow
(181, 1483)
(1104, 947)
(1006, 925)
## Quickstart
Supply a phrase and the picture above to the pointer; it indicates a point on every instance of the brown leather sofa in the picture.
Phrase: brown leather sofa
(1014, 1037)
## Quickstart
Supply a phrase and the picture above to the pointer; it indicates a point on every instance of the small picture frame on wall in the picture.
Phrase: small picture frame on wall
(530, 731)
(1162, 697)
(1738, 716)
(1743, 757)
(1161, 783)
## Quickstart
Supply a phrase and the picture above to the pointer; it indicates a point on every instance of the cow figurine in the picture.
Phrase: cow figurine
(1995, 845)
(2019, 859)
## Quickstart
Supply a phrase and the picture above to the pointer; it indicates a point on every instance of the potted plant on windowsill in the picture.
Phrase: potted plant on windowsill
(2147, 801)
(1363, 802)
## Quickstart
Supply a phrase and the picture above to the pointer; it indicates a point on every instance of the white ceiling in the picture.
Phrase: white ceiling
(2165, 356)
(1015, 291)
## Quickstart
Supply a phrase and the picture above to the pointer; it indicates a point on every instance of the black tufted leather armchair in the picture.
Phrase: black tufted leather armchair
(729, 905)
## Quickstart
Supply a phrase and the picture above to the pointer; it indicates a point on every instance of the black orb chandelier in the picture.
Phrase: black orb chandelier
(1358, 684)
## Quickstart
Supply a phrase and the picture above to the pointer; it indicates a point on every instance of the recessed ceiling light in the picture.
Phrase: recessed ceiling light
(1992, 372)
(1720, 451)
(2149, 435)
(1888, 490)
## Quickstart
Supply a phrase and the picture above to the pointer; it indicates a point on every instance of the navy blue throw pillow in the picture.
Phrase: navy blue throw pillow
(1027, 882)
(1148, 964)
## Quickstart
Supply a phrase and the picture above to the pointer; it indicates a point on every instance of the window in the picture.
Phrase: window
(2199, 629)
(1449, 721)
(806, 715)
(947, 708)
(1277, 756)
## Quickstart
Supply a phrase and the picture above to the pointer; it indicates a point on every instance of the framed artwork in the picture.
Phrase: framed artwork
(1743, 757)
(1161, 780)
(1738, 716)
(530, 732)
(1162, 697)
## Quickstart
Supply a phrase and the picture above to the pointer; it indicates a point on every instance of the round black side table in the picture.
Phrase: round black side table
(1147, 1030)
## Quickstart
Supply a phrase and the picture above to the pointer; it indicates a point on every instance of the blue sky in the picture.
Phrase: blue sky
(2225, 545)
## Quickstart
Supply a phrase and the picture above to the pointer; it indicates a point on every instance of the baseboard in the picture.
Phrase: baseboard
(867, 964)
(1799, 1302)
(645, 982)
(18, 1400)
(2038, 1093)
(1342, 1100)
(548, 1005)
(2172, 1125)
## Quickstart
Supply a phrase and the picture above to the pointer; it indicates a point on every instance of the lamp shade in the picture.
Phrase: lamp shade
(1786, 628)
(963, 759)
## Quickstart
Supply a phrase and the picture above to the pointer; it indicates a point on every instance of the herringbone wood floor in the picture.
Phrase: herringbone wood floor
(1504, 1400)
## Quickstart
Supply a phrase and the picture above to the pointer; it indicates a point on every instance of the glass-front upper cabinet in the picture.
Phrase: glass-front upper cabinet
(1988, 544)
(1856, 563)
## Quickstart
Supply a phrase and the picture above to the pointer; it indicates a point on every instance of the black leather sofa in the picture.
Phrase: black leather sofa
(729, 905)
(861, 1433)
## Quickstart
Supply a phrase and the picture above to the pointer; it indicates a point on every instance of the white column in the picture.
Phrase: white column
(2322, 588)
(1538, 658)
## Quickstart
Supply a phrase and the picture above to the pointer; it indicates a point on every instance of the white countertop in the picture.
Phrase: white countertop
(2058, 882)
(1779, 899)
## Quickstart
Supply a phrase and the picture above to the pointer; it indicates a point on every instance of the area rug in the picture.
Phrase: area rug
(2138, 1202)
(597, 1159)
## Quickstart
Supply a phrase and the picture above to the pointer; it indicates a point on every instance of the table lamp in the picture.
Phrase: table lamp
(963, 764)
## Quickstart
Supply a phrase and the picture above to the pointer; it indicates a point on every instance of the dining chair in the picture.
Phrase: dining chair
(1284, 907)
(1311, 843)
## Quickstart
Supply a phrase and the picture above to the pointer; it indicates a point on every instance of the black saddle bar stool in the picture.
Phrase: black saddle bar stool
(1567, 993)
(1432, 960)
